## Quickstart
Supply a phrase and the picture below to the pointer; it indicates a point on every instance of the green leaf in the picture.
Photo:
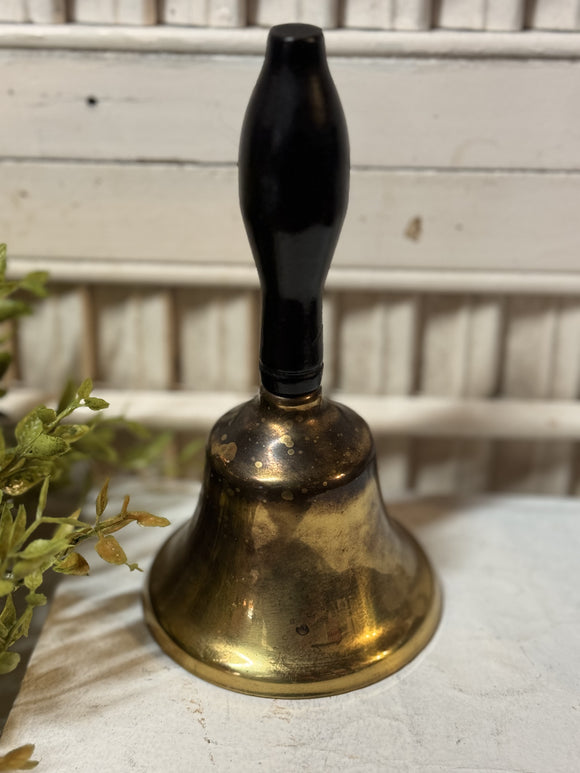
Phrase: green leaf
(67, 396)
(8, 662)
(19, 759)
(85, 389)
(72, 432)
(28, 429)
(33, 581)
(19, 527)
(6, 525)
(102, 499)
(35, 599)
(6, 587)
(110, 551)
(41, 504)
(9, 308)
(43, 548)
(46, 446)
(46, 415)
(35, 283)
(23, 480)
(24, 623)
(96, 403)
(8, 614)
(74, 563)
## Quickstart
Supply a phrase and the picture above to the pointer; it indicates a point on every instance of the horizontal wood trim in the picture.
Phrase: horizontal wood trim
(252, 40)
(178, 274)
(107, 220)
(416, 113)
(414, 416)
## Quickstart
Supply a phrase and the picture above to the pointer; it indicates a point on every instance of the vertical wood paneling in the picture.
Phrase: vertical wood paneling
(226, 13)
(138, 12)
(134, 338)
(323, 13)
(217, 339)
(443, 348)
(565, 371)
(13, 11)
(554, 14)
(50, 341)
(540, 362)
(459, 356)
(483, 347)
(360, 344)
(46, 11)
(186, 12)
(412, 14)
(501, 15)
(399, 333)
(388, 14)
(504, 15)
(376, 345)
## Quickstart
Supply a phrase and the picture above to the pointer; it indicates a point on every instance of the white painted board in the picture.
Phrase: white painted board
(157, 214)
(478, 114)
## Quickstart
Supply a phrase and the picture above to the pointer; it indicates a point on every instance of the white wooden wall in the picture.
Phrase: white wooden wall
(452, 316)
(499, 15)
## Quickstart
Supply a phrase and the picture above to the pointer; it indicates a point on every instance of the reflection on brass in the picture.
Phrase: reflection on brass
(291, 580)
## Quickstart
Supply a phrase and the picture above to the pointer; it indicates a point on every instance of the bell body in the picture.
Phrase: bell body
(291, 580)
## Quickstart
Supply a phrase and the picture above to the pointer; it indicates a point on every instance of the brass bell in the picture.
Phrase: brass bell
(291, 580)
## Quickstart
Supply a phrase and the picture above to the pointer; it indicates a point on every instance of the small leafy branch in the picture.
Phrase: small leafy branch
(46, 443)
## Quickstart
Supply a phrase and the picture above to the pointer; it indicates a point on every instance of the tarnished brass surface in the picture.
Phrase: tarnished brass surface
(291, 580)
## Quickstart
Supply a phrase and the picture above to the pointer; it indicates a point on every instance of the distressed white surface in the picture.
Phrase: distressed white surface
(555, 14)
(166, 213)
(451, 113)
(114, 11)
(496, 689)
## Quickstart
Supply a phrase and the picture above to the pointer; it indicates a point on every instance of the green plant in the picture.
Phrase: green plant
(45, 445)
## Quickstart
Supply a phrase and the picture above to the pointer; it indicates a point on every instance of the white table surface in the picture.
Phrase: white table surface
(498, 688)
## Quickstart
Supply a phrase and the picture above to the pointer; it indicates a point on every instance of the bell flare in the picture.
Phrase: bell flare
(291, 580)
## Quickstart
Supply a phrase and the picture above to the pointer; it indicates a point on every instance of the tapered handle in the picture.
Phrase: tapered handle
(293, 178)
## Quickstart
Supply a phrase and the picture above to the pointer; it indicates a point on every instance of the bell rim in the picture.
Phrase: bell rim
(386, 664)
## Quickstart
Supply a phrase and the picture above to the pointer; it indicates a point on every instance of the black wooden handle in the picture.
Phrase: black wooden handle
(293, 178)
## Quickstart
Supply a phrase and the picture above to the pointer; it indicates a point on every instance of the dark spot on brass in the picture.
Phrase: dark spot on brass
(302, 630)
